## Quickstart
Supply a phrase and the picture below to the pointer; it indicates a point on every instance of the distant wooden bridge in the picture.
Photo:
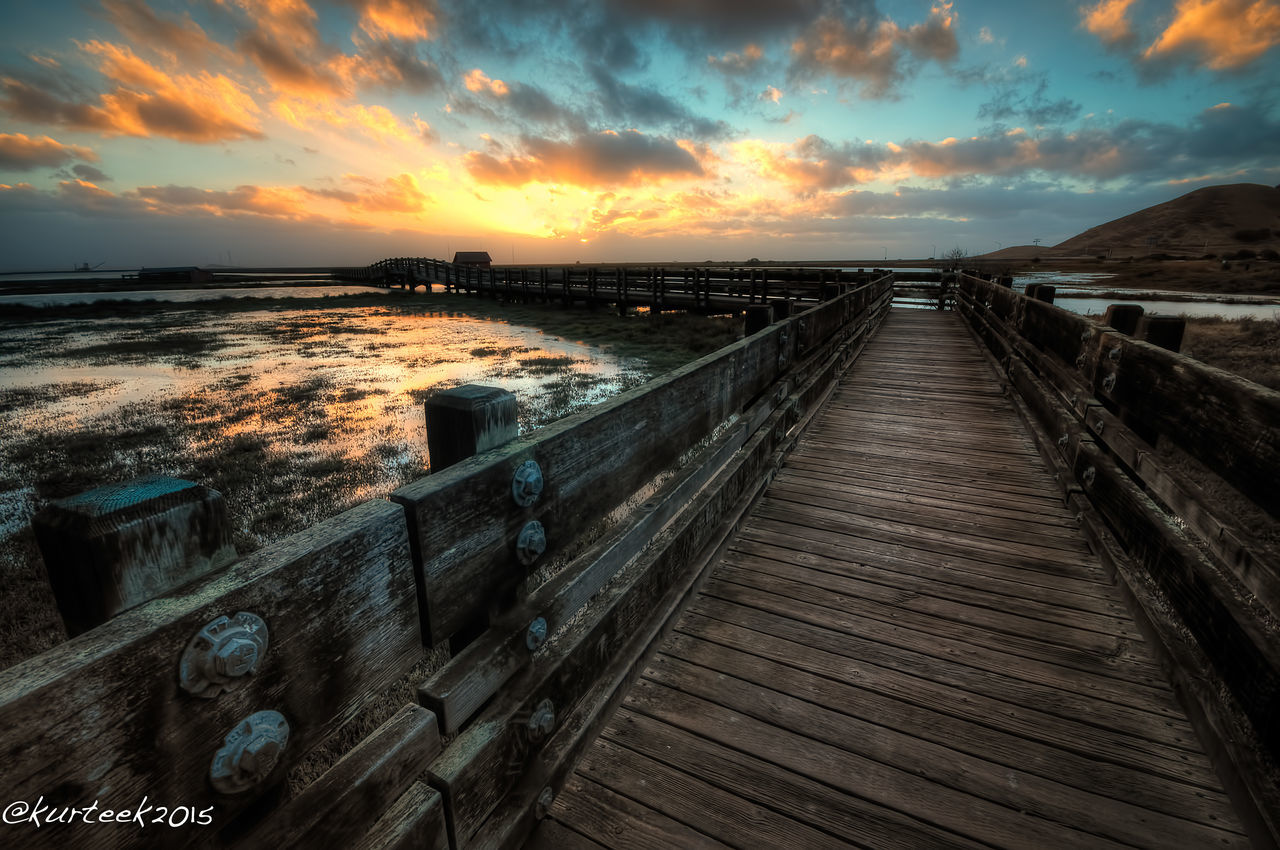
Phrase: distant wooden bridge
(868, 577)
(703, 289)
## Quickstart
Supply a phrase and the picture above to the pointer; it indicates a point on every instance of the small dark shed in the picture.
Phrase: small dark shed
(473, 258)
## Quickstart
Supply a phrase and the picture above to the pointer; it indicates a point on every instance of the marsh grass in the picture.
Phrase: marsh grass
(283, 457)
(1248, 347)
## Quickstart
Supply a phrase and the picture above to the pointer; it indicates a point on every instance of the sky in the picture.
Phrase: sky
(284, 132)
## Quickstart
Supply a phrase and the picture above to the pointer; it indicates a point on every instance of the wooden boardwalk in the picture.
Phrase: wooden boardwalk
(908, 645)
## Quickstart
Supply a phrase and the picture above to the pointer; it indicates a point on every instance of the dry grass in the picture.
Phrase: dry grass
(1248, 347)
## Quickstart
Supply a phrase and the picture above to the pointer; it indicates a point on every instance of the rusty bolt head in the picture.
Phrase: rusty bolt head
(543, 806)
(250, 752)
(1109, 383)
(1114, 353)
(1090, 475)
(236, 657)
(1081, 361)
(531, 543)
(527, 483)
(542, 722)
(1064, 440)
(259, 755)
(536, 635)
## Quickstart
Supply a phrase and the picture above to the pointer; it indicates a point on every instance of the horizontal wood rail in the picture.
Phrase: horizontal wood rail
(349, 607)
(1205, 585)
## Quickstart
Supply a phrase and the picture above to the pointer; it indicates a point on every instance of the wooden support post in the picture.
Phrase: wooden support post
(1045, 293)
(461, 422)
(1164, 331)
(759, 317)
(828, 291)
(468, 419)
(114, 547)
(1123, 317)
(781, 308)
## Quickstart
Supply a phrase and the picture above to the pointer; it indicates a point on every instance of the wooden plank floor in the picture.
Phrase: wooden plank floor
(908, 645)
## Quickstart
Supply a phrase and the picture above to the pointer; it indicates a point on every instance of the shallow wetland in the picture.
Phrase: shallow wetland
(294, 409)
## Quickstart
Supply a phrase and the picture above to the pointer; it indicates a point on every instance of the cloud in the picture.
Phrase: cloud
(175, 38)
(400, 194)
(645, 106)
(477, 81)
(88, 172)
(860, 44)
(811, 163)
(376, 122)
(402, 19)
(1132, 150)
(1012, 101)
(201, 108)
(20, 152)
(1109, 21)
(737, 63)
(603, 159)
(1222, 35)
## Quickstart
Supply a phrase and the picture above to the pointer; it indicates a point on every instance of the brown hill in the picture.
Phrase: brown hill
(1212, 220)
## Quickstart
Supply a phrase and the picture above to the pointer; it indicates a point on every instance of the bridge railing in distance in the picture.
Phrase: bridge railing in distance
(707, 289)
(1115, 418)
(159, 706)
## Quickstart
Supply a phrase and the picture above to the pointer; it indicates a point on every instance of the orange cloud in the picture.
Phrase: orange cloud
(1109, 21)
(400, 194)
(737, 63)
(406, 19)
(602, 159)
(871, 49)
(200, 107)
(376, 122)
(174, 38)
(1220, 34)
(477, 81)
(810, 164)
(20, 152)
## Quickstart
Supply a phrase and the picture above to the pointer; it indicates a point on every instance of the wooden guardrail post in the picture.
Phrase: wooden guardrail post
(1164, 331)
(1123, 317)
(465, 420)
(114, 547)
(759, 317)
(781, 308)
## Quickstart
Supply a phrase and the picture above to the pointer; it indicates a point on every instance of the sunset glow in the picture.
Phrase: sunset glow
(142, 132)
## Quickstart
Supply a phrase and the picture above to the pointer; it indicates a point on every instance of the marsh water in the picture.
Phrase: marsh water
(292, 412)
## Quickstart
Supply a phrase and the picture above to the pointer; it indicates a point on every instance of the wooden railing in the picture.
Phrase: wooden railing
(342, 612)
(1121, 421)
(699, 288)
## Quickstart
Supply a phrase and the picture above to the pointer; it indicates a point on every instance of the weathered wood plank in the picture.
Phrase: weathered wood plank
(760, 780)
(845, 768)
(553, 835)
(933, 686)
(1029, 792)
(337, 808)
(675, 669)
(338, 601)
(414, 822)
(620, 823)
(719, 813)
